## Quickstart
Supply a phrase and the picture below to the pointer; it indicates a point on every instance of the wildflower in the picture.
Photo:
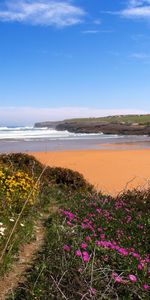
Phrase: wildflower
(123, 251)
(1, 224)
(132, 278)
(78, 253)
(92, 291)
(84, 225)
(136, 255)
(99, 229)
(146, 287)
(11, 220)
(69, 223)
(87, 238)
(105, 258)
(2, 229)
(86, 257)
(83, 245)
(140, 267)
(102, 236)
(80, 270)
(69, 215)
(117, 278)
(66, 248)
(21, 224)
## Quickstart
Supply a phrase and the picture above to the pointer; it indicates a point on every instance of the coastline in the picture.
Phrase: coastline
(110, 171)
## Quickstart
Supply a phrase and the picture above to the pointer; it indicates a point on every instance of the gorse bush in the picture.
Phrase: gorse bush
(50, 176)
(21, 161)
(15, 189)
(68, 178)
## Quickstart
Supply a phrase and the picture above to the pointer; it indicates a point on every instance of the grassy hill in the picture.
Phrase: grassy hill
(140, 119)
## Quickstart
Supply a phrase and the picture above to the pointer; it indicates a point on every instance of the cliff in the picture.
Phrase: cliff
(123, 125)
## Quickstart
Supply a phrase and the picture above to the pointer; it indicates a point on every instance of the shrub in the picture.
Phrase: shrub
(21, 161)
(60, 176)
(67, 177)
(15, 188)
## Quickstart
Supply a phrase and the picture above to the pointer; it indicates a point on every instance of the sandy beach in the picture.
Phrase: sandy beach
(111, 171)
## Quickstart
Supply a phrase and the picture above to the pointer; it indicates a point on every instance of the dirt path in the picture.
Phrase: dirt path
(25, 257)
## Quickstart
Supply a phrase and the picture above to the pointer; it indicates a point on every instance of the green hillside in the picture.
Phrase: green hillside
(141, 119)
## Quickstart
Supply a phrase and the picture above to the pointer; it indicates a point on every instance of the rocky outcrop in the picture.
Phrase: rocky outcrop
(106, 128)
(47, 124)
(121, 128)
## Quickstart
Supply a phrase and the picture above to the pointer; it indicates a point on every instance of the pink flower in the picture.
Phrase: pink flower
(69, 223)
(99, 210)
(78, 253)
(66, 248)
(146, 287)
(136, 255)
(87, 238)
(86, 257)
(92, 291)
(83, 245)
(99, 229)
(123, 251)
(117, 278)
(132, 278)
(80, 270)
(84, 225)
(102, 236)
(69, 215)
(105, 258)
(140, 267)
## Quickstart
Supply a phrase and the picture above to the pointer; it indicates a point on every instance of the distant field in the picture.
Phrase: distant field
(141, 119)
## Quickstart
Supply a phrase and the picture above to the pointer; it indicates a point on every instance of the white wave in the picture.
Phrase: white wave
(21, 128)
(31, 133)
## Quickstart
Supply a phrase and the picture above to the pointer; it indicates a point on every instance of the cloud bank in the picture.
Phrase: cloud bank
(59, 13)
(137, 9)
(29, 115)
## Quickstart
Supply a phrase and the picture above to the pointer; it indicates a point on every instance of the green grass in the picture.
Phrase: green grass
(141, 119)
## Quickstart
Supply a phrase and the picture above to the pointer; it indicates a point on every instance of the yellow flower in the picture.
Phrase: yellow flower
(15, 188)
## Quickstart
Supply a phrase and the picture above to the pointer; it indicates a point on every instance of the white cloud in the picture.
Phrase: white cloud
(90, 31)
(59, 13)
(30, 115)
(141, 56)
(137, 9)
(97, 22)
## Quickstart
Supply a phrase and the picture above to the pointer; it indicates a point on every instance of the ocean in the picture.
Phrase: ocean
(25, 139)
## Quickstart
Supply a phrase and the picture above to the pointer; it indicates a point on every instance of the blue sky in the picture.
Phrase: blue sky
(68, 58)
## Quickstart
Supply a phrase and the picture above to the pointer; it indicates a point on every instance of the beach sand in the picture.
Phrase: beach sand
(111, 171)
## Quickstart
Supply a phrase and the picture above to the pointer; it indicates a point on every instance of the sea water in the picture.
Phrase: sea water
(16, 139)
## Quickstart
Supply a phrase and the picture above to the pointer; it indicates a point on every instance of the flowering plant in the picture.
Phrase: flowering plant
(15, 188)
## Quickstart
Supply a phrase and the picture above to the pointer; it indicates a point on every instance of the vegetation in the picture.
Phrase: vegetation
(26, 191)
(140, 119)
(96, 246)
(15, 188)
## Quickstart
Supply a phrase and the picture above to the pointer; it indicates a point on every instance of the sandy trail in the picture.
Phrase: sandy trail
(109, 170)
